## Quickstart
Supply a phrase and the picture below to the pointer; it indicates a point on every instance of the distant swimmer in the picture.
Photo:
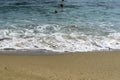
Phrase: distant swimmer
(56, 12)
(73, 26)
(61, 5)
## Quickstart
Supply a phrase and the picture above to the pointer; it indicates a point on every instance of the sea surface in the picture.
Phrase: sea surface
(80, 26)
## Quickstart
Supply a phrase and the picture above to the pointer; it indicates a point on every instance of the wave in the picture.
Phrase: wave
(60, 41)
(26, 2)
(21, 3)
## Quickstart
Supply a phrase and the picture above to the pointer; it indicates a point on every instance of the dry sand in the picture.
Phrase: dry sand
(79, 66)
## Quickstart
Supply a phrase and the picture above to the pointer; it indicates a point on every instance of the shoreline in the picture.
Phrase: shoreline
(47, 52)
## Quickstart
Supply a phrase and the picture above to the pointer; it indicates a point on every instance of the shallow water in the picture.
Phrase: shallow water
(82, 25)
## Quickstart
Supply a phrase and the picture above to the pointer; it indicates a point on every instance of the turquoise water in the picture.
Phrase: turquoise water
(81, 25)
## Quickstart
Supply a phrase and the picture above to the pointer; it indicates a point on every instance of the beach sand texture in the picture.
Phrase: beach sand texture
(79, 66)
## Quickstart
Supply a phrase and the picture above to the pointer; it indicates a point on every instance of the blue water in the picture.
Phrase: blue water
(81, 25)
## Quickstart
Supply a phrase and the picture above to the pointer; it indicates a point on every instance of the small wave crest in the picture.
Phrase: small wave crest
(56, 39)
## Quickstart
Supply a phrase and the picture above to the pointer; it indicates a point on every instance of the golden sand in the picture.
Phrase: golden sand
(78, 66)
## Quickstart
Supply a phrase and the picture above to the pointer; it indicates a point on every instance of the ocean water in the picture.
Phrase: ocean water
(80, 26)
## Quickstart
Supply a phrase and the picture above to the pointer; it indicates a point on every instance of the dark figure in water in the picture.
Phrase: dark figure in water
(61, 5)
(56, 11)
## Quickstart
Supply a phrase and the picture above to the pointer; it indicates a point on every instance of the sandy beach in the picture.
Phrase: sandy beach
(77, 66)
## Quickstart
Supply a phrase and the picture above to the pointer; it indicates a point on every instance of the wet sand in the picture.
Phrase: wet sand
(77, 66)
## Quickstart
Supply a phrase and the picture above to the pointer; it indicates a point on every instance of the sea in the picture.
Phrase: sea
(78, 26)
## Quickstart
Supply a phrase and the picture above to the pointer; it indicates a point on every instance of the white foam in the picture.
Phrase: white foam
(57, 41)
